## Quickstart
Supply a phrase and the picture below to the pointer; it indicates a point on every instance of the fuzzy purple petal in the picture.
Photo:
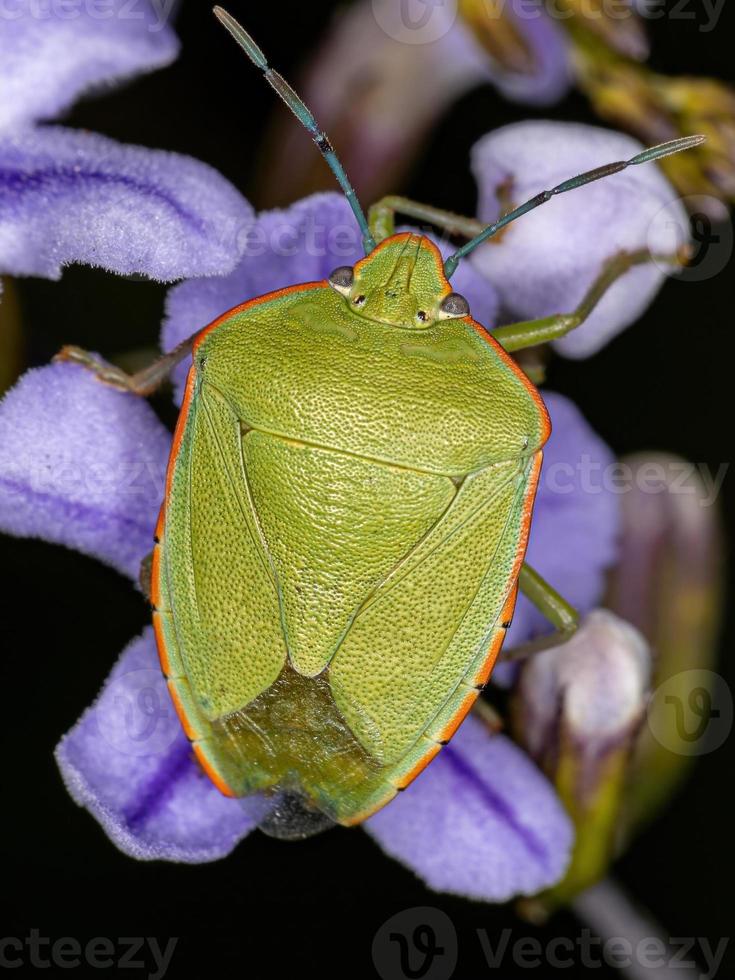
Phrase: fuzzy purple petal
(301, 243)
(70, 196)
(129, 763)
(545, 262)
(481, 821)
(574, 532)
(51, 54)
(81, 465)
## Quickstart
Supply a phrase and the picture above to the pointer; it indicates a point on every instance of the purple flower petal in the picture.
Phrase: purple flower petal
(81, 465)
(51, 54)
(68, 196)
(574, 532)
(302, 243)
(544, 263)
(482, 821)
(129, 763)
(548, 47)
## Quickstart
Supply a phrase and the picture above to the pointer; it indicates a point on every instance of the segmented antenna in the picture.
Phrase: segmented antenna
(654, 153)
(304, 116)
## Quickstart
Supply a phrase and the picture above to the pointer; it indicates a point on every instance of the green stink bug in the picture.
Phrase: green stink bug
(346, 512)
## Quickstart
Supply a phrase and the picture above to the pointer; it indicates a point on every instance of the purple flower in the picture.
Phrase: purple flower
(544, 263)
(128, 761)
(130, 765)
(69, 196)
(479, 822)
(50, 54)
(387, 70)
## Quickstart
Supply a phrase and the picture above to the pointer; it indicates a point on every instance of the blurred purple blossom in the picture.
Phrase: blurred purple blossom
(387, 71)
(50, 56)
(544, 263)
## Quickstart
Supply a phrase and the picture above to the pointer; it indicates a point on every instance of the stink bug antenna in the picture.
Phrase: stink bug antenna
(654, 153)
(304, 116)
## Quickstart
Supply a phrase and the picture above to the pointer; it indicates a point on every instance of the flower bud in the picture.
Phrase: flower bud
(577, 710)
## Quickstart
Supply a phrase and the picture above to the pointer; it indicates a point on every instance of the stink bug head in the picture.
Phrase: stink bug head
(401, 283)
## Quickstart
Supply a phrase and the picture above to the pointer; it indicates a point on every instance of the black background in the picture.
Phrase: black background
(276, 908)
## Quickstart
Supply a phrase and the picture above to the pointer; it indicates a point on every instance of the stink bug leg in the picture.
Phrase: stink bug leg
(530, 333)
(142, 383)
(381, 218)
(552, 605)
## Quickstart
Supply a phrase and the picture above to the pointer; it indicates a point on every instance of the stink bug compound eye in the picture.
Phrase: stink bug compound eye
(454, 305)
(342, 279)
(345, 518)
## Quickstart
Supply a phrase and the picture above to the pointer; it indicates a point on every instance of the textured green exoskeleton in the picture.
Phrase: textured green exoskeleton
(347, 506)
(347, 510)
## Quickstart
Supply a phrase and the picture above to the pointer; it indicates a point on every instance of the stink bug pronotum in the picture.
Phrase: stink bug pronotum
(347, 506)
